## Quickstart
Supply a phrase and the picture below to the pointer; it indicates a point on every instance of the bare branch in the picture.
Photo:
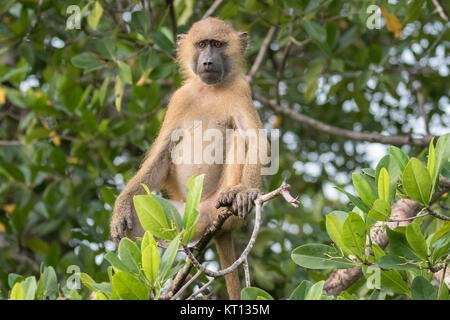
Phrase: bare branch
(261, 53)
(203, 288)
(211, 9)
(191, 280)
(440, 10)
(348, 134)
(283, 190)
(420, 102)
(5, 143)
(246, 273)
(177, 285)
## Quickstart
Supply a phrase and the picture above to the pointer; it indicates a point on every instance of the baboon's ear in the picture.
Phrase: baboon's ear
(180, 38)
(244, 40)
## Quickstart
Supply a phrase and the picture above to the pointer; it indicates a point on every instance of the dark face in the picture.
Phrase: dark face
(211, 63)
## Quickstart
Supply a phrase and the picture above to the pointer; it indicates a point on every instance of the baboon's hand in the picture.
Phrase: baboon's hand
(240, 200)
(244, 201)
(226, 197)
(121, 220)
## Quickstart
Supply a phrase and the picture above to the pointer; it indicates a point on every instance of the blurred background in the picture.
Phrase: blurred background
(84, 87)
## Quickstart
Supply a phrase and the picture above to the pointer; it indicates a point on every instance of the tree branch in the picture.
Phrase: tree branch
(261, 53)
(175, 289)
(211, 9)
(344, 133)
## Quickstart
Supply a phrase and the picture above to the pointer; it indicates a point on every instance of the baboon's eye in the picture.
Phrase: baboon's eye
(217, 44)
(202, 44)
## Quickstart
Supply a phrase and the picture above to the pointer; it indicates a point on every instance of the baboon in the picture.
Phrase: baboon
(216, 95)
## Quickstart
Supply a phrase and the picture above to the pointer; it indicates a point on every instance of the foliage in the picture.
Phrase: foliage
(79, 107)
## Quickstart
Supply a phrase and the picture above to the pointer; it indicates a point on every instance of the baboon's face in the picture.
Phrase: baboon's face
(211, 63)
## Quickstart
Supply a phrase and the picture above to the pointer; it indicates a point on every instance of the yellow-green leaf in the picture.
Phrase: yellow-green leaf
(95, 15)
(383, 185)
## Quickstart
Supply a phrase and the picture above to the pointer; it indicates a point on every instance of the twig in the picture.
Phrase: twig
(191, 280)
(5, 143)
(442, 278)
(280, 72)
(261, 53)
(440, 10)
(173, 19)
(283, 190)
(246, 273)
(203, 288)
(419, 94)
(409, 218)
(175, 290)
(299, 43)
(211, 9)
(339, 132)
(437, 215)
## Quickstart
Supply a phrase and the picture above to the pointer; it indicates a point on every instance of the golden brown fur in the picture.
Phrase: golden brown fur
(226, 105)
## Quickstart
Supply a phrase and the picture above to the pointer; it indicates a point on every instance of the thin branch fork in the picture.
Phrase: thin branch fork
(283, 191)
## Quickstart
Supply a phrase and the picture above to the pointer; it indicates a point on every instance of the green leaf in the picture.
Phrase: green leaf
(140, 21)
(17, 292)
(416, 240)
(95, 15)
(442, 158)
(413, 11)
(319, 256)
(395, 262)
(315, 292)
(29, 286)
(162, 42)
(252, 293)
(152, 216)
(125, 72)
(393, 280)
(130, 254)
(300, 292)
(354, 235)
(315, 31)
(114, 260)
(363, 189)
(422, 289)
(168, 258)
(108, 196)
(441, 232)
(87, 61)
(118, 93)
(355, 200)
(346, 296)
(172, 213)
(383, 185)
(417, 181)
(381, 210)
(128, 287)
(48, 285)
(101, 296)
(150, 257)
(13, 278)
(431, 162)
(106, 48)
(400, 157)
(334, 229)
(398, 245)
(191, 214)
